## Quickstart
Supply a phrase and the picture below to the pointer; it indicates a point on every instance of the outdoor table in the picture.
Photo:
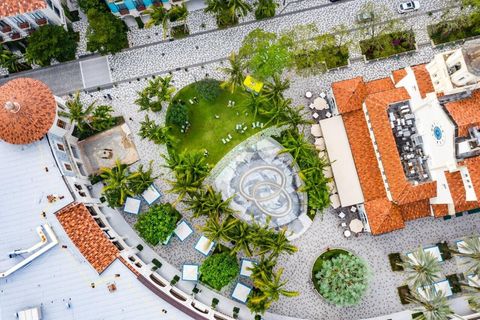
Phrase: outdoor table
(190, 272)
(356, 225)
(308, 94)
(204, 245)
(132, 205)
(320, 104)
(183, 230)
(241, 292)
(151, 194)
(347, 233)
(246, 266)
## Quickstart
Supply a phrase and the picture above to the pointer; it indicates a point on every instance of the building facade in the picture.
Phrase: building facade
(18, 19)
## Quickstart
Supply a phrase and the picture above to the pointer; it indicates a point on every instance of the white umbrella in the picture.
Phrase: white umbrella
(356, 225)
(320, 104)
(316, 131)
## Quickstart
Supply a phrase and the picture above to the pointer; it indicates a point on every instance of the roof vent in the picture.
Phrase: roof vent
(13, 107)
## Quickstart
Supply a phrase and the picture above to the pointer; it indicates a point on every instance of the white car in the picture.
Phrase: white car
(408, 6)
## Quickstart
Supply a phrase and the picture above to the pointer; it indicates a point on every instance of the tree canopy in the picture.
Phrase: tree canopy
(105, 33)
(158, 223)
(219, 269)
(50, 42)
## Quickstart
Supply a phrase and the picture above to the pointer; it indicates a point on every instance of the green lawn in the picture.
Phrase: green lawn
(206, 131)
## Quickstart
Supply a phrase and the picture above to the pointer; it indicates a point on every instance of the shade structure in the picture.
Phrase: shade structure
(27, 111)
(356, 225)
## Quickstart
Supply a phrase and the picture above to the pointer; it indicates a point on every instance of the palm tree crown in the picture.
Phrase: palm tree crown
(422, 268)
(234, 72)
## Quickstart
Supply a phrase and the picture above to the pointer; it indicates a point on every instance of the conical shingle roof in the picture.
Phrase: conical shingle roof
(27, 110)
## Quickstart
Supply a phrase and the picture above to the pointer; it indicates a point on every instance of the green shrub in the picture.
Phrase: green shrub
(208, 89)
(342, 279)
(158, 223)
(177, 114)
(106, 33)
(86, 5)
(388, 44)
(50, 42)
(218, 270)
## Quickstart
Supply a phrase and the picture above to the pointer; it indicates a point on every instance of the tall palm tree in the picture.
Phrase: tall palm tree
(158, 16)
(471, 254)
(117, 183)
(165, 88)
(216, 230)
(265, 9)
(273, 90)
(422, 268)
(271, 288)
(264, 268)
(434, 306)
(77, 114)
(102, 118)
(296, 145)
(141, 179)
(277, 244)
(11, 61)
(473, 288)
(178, 13)
(238, 7)
(240, 236)
(183, 185)
(210, 203)
(254, 103)
(297, 116)
(234, 72)
(278, 112)
(158, 134)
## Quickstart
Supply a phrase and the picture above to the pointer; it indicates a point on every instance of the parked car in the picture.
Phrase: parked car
(364, 17)
(408, 6)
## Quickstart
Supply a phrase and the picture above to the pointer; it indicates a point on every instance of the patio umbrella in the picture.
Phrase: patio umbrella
(320, 104)
(316, 131)
(356, 225)
(27, 111)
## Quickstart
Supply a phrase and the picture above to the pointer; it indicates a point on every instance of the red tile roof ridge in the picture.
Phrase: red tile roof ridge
(10, 8)
(349, 94)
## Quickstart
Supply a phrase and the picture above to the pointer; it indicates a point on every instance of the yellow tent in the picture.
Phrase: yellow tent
(253, 84)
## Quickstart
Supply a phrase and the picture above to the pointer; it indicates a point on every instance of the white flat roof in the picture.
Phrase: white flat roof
(341, 161)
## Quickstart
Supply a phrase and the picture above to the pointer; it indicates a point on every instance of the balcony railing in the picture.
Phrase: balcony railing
(23, 25)
(141, 7)
(124, 12)
(6, 29)
(41, 21)
(15, 35)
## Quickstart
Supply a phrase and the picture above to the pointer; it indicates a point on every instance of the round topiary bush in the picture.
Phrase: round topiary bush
(219, 269)
(340, 277)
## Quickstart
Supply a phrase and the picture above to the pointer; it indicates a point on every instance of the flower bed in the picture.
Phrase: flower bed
(388, 45)
(453, 30)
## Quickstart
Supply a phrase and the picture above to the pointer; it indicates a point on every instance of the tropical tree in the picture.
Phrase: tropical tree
(234, 72)
(297, 145)
(158, 223)
(265, 9)
(11, 61)
(117, 184)
(157, 91)
(208, 202)
(106, 33)
(471, 254)
(422, 268)
(142, 179)
(273, 90)
(277, 112)
(102, 118)
(156, 133)
(254, 103)
(217, 230)
(227, 11)
(473, 288)
(297, 116)
(378, 21)
(433, 306)
(178, 13)
(77, 113)
(158, 16)
(277, 244)
(263, 269)
(241, 238)
(270, 288)
(219, 269)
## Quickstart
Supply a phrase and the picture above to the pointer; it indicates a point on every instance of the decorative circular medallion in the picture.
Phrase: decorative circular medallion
(438, 134)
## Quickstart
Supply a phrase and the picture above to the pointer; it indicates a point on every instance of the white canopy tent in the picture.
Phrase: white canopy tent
(343, 166)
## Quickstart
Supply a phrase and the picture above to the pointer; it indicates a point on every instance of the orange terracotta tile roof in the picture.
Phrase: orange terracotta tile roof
(424, 81)
(87, 236)
(383, 216)
(13, 7)
(440, 210)
(402, 190)
(465, 113)
(33, 113)
(457, 190)
(349, 94)
(415, 210)
(364, 155)
(379, 85)
(398, 75)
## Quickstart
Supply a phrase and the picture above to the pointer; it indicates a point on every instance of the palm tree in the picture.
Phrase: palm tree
(158, 16)
(183, 185)
(240, 236)
(77, 114)
(278, 112)
(208, 202)
(434, 306)
(11, 61)
(265, 9)
(473, 288)
(234, 72)
(141, 179)
(271, 288)
(471, 254)
(273, 90)
(296, 145)
(255, 103)
(165, 88)
(158, 134)
(238, 7)
(422, 268)
(117, 183)
(263, 268)
(277, 244)
(216, 230)
(102, 118)
(297, 116)
(178, 13)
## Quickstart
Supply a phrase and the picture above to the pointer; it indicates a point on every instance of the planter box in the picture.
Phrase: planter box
(24, 25)
(15, 35)
(124, 12)
(452, 43)
(30, 31)
(6, 29)
(158, 4)
(398, 55)
(41, 21)
(341, 67)
(141, 8)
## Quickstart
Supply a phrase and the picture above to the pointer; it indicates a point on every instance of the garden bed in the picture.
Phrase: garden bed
(179, 32)
(388, 45)
(395, 260)
(91, 132)
(444, 250)
(404, 293)
(454, 282)
(333, 57)
(442, 32)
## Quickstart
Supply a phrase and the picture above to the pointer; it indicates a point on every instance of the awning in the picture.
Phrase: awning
(343, 166)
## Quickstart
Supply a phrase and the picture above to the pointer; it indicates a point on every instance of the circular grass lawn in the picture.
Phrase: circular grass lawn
(212, 121)
(346, 284)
